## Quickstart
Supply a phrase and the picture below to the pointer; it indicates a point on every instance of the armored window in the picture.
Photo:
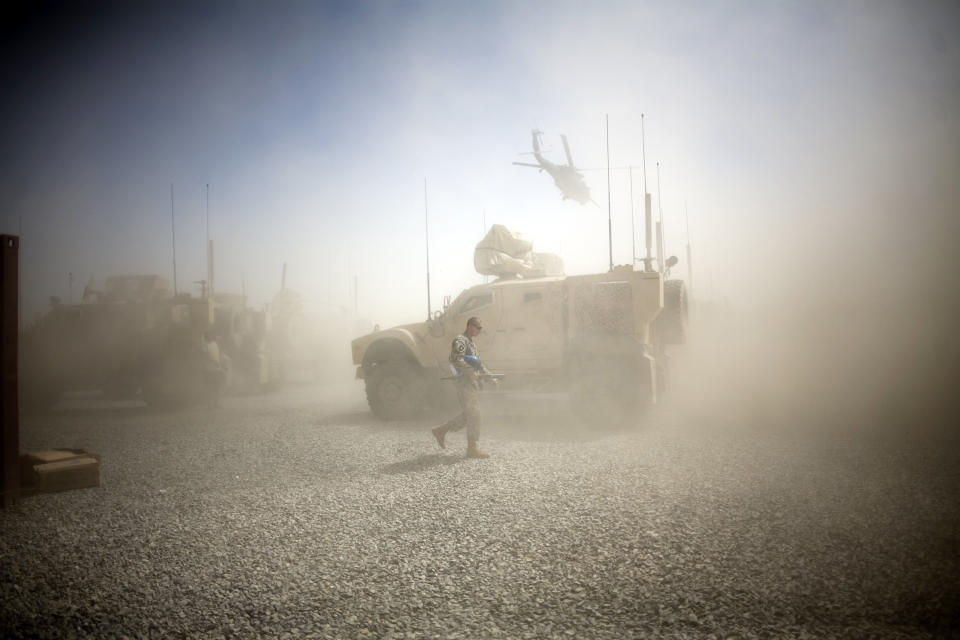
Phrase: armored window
(475, 302)
(532, 296)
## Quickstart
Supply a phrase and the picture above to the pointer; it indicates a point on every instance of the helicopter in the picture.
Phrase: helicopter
(566, 176)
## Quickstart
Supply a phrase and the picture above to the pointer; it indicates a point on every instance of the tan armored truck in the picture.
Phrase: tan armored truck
(595, 337)
(135, 335)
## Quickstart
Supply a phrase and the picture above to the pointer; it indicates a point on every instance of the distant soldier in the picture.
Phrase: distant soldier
(214, 370)
(468, 386)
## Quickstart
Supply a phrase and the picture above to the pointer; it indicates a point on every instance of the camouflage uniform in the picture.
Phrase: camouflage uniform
(467, 389)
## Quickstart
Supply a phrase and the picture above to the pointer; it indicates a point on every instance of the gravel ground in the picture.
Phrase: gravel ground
(298, 515)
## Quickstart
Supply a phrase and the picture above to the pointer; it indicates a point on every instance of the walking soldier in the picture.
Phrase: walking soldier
(468, 388)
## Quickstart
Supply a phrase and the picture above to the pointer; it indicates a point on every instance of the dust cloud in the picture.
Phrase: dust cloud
(811, 148)
(852, 334)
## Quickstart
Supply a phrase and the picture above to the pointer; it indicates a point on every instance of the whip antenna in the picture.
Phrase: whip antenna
(426, 229)
(609, 216)
(173, 238)
(647, 204)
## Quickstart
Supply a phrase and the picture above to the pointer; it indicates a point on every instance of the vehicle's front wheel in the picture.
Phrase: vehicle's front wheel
(395, 390)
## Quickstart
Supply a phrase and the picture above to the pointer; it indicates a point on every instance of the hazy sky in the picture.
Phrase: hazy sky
(798, 135)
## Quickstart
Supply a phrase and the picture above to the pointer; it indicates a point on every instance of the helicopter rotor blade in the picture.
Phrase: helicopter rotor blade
(533, 153)
(566, 149)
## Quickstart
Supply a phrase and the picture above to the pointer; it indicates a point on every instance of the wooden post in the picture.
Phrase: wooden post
(9, 402)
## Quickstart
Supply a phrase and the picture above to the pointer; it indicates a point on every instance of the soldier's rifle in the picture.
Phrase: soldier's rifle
(482, 373)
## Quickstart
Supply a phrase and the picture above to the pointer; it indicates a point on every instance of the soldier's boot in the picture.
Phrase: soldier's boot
(474, 450)
(440, 433)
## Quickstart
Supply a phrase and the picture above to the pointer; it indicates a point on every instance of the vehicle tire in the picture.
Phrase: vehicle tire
(396, 390)
(671, 324)
(602, 390)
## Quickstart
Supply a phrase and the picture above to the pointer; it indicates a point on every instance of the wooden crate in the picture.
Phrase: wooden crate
(58, 470)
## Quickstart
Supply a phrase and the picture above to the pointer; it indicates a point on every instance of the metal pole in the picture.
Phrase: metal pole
(648, 231)
(609, 214)
(689, 256)
(643, 148)
(9, 362)
(19, 300)
(660, 247)
(19, 282)
(647, 209)
(660, 222)
(209, 252)
(426, 229)
(212, 270)
(173, 237)
(633, 225)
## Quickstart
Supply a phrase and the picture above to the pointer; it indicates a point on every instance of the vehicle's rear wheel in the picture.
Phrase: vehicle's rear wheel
(395, 390)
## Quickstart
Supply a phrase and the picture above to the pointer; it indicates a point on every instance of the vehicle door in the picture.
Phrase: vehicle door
(485, 305)
(531, 327)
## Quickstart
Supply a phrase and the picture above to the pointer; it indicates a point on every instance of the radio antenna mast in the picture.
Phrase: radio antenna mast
(633, 226)
(659, 222)
(209, 249)
(173, 238)
(426, 231)
(647, 205)
(609, 215)
(689, 257)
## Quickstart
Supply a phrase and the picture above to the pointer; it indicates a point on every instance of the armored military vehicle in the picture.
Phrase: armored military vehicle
(602, 339)
(132, 336)
(242, 334)
(136, 336)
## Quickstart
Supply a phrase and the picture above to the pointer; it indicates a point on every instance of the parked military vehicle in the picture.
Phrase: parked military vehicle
(242, 336)
(602, 339)
(133, 335)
